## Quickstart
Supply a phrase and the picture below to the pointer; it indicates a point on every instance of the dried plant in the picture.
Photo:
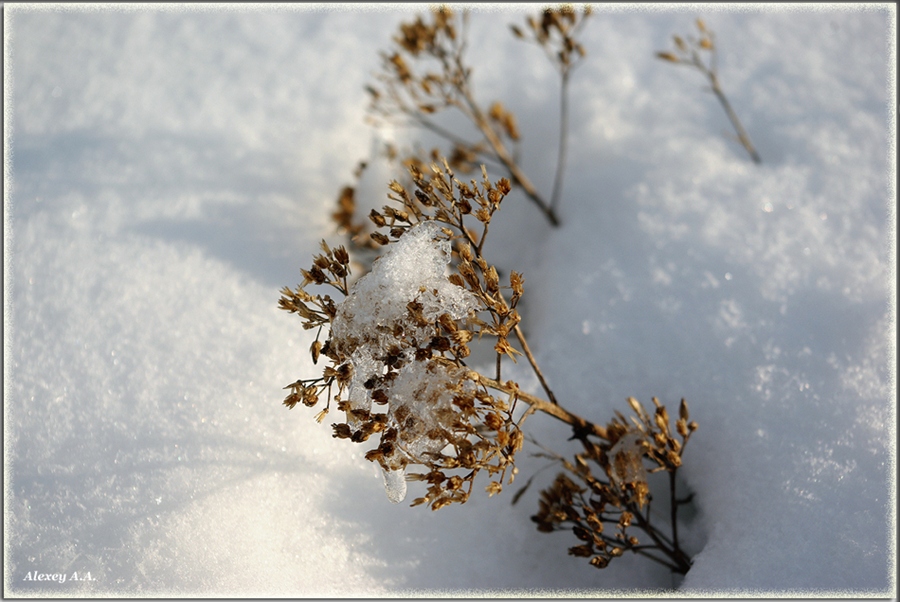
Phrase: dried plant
(396, 347)
(402, 350)
(395, 342)
(556, 33)
(689, 51)
(621, 497)
(426, 72)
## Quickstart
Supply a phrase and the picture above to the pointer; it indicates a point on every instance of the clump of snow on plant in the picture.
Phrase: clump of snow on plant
(374, 321)
(412, 269)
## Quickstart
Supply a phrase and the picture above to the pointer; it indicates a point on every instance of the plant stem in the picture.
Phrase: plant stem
(515, 171)
(710, 73)
(732, 116)
(674, 509)
(578, 423)
(534, 365)
(473, 111)
(682, 563)
(563, 139)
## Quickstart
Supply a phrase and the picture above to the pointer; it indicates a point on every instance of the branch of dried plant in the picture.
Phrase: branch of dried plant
(556, 33)
(689, 53)
(408, 92)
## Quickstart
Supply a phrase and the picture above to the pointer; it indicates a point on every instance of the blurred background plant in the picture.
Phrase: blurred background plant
(690, 51)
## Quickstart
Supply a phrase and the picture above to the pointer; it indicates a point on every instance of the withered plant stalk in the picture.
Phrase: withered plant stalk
(409, 89)
(556, 33)
(689, 53)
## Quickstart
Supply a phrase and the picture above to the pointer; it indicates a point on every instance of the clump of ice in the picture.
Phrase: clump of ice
(626, 455)
(395, 484)
(374, 321)
(422, 407)
(412, 269)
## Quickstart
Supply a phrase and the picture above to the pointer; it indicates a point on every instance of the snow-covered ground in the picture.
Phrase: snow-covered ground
(168, 170)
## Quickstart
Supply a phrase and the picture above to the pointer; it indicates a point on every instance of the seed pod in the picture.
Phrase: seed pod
(310, 397)
(314, 350)
(637, 407)
(582, 551)
(668, 56)
(673, 459)
(662, 419)
(516, 281)
(447, 323)
(492, 280)
(342, 256)
(601, 562)
(341, 430)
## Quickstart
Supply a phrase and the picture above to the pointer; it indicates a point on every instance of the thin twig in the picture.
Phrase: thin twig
(541, 405)
(563, 139)
(732, 116)
(534, 365)
(515, 172)
(690, 56)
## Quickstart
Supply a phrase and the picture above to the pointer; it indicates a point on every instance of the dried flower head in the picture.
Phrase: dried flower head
(556, 30)
(620, 496)
(424, 73)
(397, 341)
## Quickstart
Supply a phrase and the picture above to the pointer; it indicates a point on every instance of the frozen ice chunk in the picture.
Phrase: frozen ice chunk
(376, 320)
(412, 269)
(395, 484)
(627, 459)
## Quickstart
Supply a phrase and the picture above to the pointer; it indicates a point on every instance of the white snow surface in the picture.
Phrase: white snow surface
(169, 170)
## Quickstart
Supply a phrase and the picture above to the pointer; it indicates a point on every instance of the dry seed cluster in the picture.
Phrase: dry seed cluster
(600, 510)
(556, 32)
(397, 342)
